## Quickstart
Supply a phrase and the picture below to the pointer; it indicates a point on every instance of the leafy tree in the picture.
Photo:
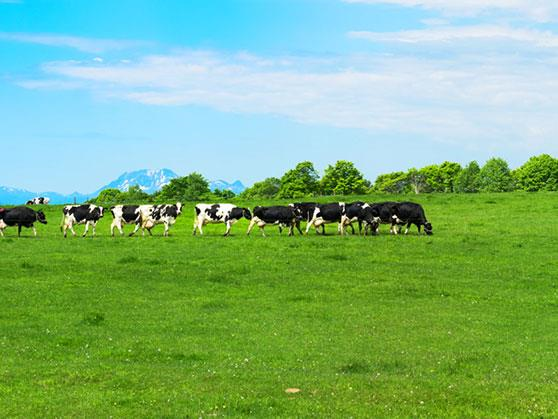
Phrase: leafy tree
(135, 194)
(467, 180)
(495, 176)
(267, 188)
(432, 178)
(187, 188)
(395, 182)
(343, 179)
(225, 194)
(300, 181)
(539, 173)
(108, 196)
(416, 180)
(448, 174)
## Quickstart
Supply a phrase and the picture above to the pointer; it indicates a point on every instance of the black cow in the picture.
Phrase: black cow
(381, 213)
(326, 214)
(353, 212)
(22, 217)
(80, 214)
(219, 213)
(411, 213)
(125, 214)
(280, 215)
(306, 212)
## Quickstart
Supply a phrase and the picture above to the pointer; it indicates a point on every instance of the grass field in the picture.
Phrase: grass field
(462, 323)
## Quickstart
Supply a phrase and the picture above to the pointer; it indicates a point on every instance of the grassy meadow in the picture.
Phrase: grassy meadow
(463, 323)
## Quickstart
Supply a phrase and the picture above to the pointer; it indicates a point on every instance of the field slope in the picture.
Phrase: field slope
(463, 323)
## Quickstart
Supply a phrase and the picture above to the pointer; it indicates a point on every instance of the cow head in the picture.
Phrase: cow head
(41, 217)
(101, 211)
(178, 208)
(246, 213)
(428, 228)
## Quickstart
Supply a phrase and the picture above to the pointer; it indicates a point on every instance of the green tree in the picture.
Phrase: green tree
(135, 195)
(416, 180)
(539, 173)
(187, 188)
(448, 174)
(495, 176)
(108, 196)
(395, 182)
(267, 188)
(225, 194)
(468, 179)
(300, 181)
(433, 181)
(343, 179)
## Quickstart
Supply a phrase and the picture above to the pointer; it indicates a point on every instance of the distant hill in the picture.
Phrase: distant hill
(149, 181)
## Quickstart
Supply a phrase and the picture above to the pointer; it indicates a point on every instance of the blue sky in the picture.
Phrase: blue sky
(245, 89)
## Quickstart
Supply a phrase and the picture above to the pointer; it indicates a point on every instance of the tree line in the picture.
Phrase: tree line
(539, 173)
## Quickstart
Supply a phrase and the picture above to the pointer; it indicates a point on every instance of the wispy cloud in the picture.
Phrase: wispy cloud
(479, 102)
(92, 45)
(447, 34)
(538, 10)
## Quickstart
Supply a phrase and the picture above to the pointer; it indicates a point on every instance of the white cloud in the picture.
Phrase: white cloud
(446, 34)
(92, 45)
(476, 101)
(539, 10)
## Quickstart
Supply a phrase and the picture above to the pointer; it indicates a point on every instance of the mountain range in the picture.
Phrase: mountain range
(149, 181)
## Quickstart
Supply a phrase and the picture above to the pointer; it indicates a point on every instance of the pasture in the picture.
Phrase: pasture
(462, 323)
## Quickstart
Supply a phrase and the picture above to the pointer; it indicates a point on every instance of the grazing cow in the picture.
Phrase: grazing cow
(151, 215)
(305, 211)
(87, 214)
(354, 212)
(125, 214)
(38, 201)
(279, 215)
(411, 213)
(326, 214)
(381, 213)
(22, 217)
(219, 213)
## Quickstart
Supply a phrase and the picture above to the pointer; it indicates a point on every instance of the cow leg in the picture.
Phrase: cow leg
(228, 230)
(310, 224)
(360, 227)
(298, 227)
(262, 227)
(250, 226)
(34, 231)
(280, 229)
(94, 224)
(418, 227)
(18, 230)
(166, 232)
(2, 232)
(136, 228)
(291, 228)
(71, 227)
(86, 229)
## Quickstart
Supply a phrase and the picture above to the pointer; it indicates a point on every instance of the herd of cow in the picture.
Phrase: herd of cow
(369, 216)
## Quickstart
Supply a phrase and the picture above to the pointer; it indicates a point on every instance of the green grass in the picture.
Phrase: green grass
(462, 323)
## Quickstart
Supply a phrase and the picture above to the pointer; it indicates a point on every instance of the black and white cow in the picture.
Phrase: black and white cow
(151, 215)
(354, 212)
(327, 214)
(381, 213)
(219, 213)
(125, 214)
(87, 214)
(38, 201)
(306, 212)
(20, 217)
(276, 215)
(411, 213)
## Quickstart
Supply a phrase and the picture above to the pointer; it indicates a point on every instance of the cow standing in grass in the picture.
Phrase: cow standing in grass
(411, 213)
(81, 214)
(227, 214)
(125, 214)
(20, 217)
(327, 214)
(151, 215)
(276, 215)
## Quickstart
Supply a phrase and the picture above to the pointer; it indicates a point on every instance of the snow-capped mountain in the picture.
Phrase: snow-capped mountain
(237, 186)
(148, 180)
